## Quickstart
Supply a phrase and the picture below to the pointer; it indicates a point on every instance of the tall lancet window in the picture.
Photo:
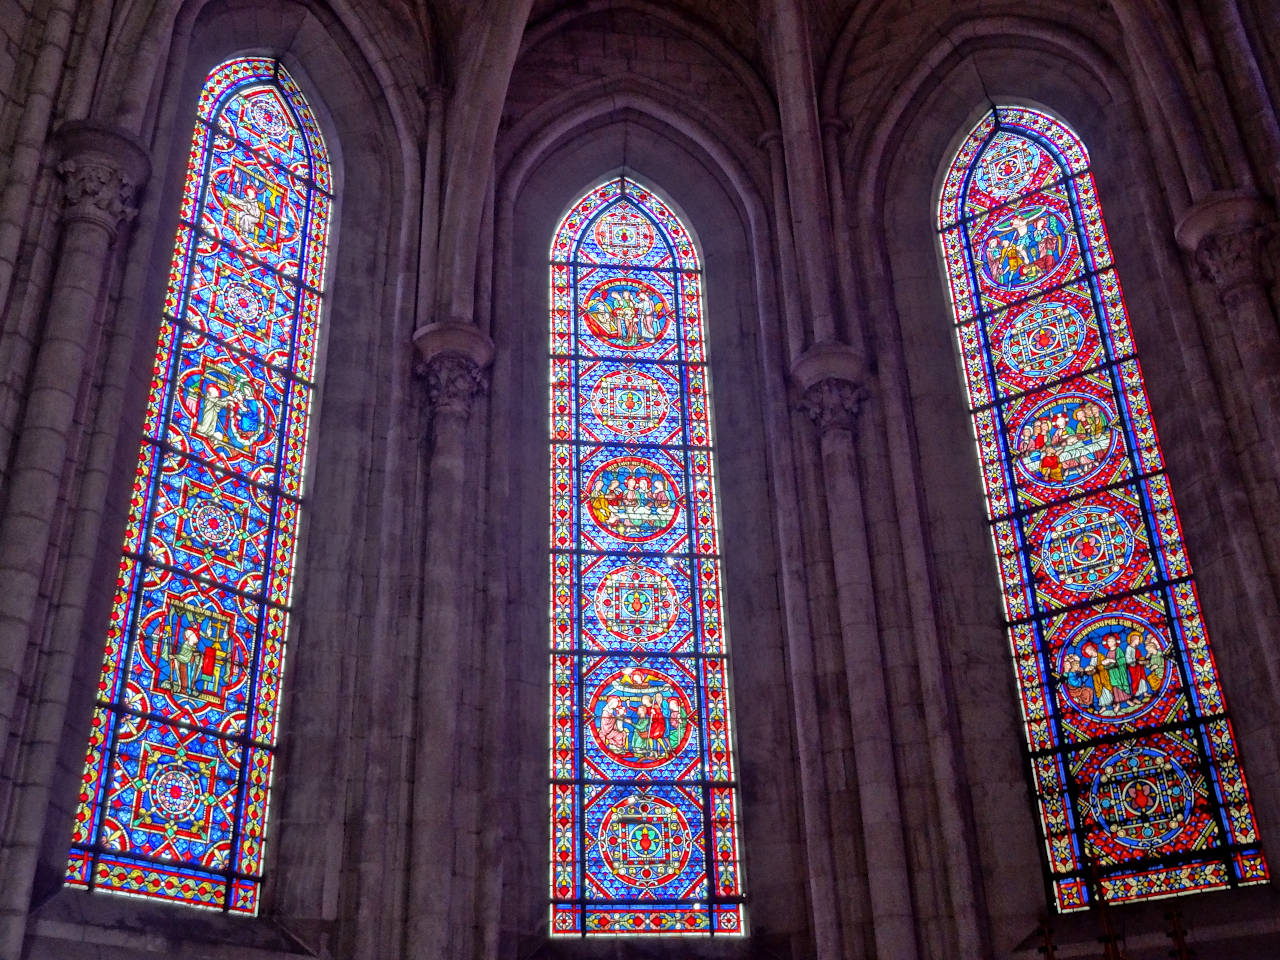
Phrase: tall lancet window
(1133, 759)
(644, 827)
(173, 803)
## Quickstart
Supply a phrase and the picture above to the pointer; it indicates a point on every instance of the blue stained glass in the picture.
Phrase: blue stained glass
(173, 802)
(1133, 762)
(632, 495)
(636, 603)
(630, 401)
(226, 408)
(644, 831)
(242, 303)
(249, 204)
(216, 526)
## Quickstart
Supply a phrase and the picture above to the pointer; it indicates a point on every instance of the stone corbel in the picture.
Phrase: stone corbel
(102, 170)
(1227, 233)
(828, 378)
(453, 358)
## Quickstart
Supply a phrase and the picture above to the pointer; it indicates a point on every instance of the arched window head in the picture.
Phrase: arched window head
(1133, 760)
(644, 825)
(173, 803)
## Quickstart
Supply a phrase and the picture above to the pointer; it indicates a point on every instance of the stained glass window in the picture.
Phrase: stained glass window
(173, 803)
(644, 831)
(1133, 759)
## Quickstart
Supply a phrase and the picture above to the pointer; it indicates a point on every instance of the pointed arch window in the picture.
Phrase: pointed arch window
(173, 802)
(644, 830)
(1133, 759)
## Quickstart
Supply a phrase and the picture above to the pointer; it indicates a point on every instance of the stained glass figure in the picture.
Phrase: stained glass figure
(1133, 759)
(644, 825)
(173, 803)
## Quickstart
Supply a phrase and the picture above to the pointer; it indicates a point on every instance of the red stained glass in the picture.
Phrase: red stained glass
(1134, 764)
(644, 829)
(173, 803)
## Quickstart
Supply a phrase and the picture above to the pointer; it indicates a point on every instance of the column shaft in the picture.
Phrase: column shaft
(439, 839)
(833, 406)
(101, 170)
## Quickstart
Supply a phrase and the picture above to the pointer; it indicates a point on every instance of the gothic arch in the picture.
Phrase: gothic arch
(368, 365)
(156, 37)
(902, 162)
(1083, 67)
(670, 149)
(1056, 30)
(571, 112)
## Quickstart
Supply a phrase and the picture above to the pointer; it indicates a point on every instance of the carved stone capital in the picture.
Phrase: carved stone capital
(102, 170)
(1233, 260)
(1226, 233)
(453, 381)
(453, 357)
(828, 379)
(833, 404)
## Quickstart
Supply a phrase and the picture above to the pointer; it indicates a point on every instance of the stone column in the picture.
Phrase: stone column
(102, 169)
(788, 275)
(1227, 233)
(1255, 113)
(810, 202)
(828, 378)
(454, 357)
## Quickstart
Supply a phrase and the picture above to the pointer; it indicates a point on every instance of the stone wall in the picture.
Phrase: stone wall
(886, 807)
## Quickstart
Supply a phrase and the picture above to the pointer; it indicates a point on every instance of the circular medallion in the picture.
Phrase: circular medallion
(265, 114)
(636, 603)
(1007, 167)
(1024, 247)
(1087, 548)
(624, 233)
(1142, 797)
(1041, 339)
(1113, 668)
(240, 301)
(629, 402)
(626, 313)
(640, 717)
(213, 523)
(1064, 440)
(645, 840)
(174, 791)
(632, 498)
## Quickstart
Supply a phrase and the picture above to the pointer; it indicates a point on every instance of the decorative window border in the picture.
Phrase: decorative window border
(644, 824)
(1133, 760)
(173, 802)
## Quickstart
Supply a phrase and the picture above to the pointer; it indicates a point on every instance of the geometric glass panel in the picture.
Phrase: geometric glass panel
(173, 802)
(644, 795)
(1133, 761)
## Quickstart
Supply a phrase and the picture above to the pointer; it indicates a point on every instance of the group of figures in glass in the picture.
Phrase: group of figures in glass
(633, 498)
(1115, 668)
(1065, 440)
(1133, 758)
(1025, 248)
(644, 825)
(174, 797)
